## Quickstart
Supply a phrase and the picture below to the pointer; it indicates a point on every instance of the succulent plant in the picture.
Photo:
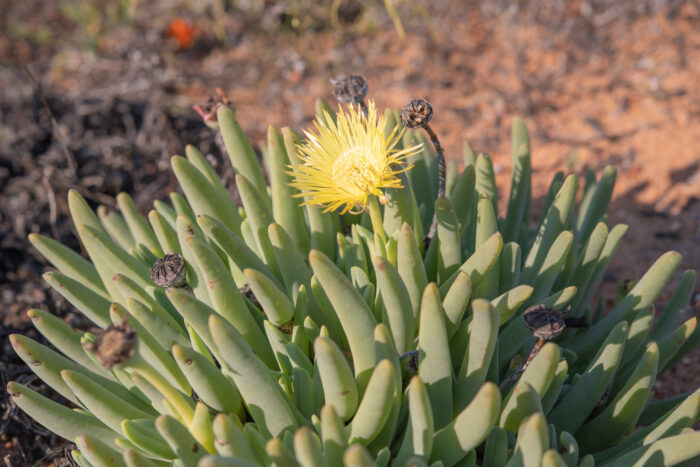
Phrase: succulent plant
(304, 337)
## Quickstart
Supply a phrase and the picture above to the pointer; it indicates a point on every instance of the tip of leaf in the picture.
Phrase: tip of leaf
(123, 197)
(178, 351)
(224, 111)
(13, 389)
(315, 255)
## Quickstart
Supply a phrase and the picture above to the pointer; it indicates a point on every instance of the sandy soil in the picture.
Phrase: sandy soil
(597, 83)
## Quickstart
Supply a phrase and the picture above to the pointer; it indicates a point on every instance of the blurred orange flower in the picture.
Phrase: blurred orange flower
(182, 31)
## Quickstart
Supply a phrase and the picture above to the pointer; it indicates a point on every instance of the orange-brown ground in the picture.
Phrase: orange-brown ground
(597, 82)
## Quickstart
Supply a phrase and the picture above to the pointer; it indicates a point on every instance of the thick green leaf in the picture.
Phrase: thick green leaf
(509, 274)
(116, 227)
(339, 386)
(682, 449)
(164, 231)
(486, 227)
(410, 267)
(483, 333)
(532, 442)
(519, 201)
(434, 363)
(333, 435)
(285, 206)
(375, 407)
(672, 315)
(593, 209)
(509, 302)
(449, 255)
(240, 254)
(556, 221)
(397, 304)
(91, 304)
(357, 456)
(456, 301)
(165, 332)
(573, 409)
(98, 453)
(538, 376)
(496, 448)
(624, 410)
(226, 299)
(588, 288)
(240, 151)
(277, 306)
(65, 339)
(69, 263)
(259, 216)
(178, 437)
(230, 440)
(486, 180)
(418, 440)
(469, 428)
(204, 197)
(138, 226)
(270, 410)
(66, 423)
(307, 448)
(106, 406)
(479, 264)
(463, 196)
(156, 302)
(197, 159)
(100, 245)
(641, 296)
(208, 382)
(354, 314)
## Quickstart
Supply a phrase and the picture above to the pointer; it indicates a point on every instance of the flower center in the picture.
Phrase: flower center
(355, 168)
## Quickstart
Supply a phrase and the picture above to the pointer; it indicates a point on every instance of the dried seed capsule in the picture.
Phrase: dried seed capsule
(208, 110)
(350, 90)
(416, 114)
(544, 322)
(169, 271)
(113, 345)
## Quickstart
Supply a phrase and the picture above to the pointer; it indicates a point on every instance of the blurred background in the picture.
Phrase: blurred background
(96, 95)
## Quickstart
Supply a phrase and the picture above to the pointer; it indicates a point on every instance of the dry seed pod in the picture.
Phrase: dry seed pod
(113, 345)
(169, 271)
(544, 322)
(350, 90)
(208, 110)
(416, 114)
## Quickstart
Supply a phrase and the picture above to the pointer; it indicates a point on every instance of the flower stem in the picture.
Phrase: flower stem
(519, 371)
(441, 161)
(363, 106)
(441, 176)
(376, 217)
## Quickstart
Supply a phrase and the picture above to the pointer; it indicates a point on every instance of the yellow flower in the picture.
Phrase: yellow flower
(345, 162)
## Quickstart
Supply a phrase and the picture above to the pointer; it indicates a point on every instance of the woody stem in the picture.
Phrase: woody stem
(441, 175)
(519, 371)
(363, 106)
(441, 161)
